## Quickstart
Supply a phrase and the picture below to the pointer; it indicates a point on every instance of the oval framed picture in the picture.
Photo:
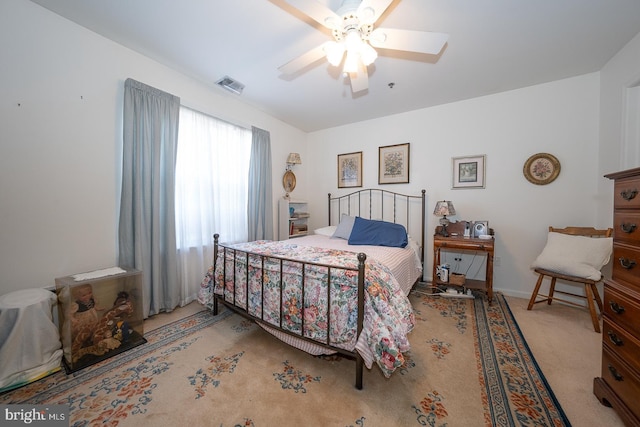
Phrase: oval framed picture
(289, 181)
(541, 169)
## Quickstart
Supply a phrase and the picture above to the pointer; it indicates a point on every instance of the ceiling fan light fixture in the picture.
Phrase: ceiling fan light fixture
(357, 49)
(351, 62)
(335, 52)
(353, 40)
(367, 54)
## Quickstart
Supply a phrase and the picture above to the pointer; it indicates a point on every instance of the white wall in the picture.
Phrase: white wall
(61, 91)
(560, 118)
(621, 73)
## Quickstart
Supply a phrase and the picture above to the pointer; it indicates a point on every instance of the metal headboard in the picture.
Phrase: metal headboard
(375, 203)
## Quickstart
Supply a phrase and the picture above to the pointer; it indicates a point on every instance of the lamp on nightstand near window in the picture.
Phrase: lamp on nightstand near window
(289, 178)
(444, 208)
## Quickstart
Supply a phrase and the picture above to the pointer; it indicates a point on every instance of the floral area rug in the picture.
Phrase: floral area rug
(468, 366)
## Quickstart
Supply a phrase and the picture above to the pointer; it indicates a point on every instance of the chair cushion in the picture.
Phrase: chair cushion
(578, 256)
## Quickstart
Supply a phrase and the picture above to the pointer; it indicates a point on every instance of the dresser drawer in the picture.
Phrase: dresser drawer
(622, 310)
(626, 193)
(626, 227)
(624, 382)
(620, 342)
(626, 264)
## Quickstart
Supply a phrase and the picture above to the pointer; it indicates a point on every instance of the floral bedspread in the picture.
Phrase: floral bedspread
(388, 316)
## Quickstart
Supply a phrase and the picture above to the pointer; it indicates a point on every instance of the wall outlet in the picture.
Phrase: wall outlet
(496, 261)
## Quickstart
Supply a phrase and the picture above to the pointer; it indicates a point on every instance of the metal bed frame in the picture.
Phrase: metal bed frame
(352, 204)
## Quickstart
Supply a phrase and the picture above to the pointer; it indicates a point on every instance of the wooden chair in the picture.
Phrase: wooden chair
(590, 289)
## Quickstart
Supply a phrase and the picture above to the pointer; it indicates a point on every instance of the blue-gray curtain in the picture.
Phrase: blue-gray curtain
(260, 203)
(146, 234)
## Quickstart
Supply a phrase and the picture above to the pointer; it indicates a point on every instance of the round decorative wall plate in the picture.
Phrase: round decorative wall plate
(541, 169)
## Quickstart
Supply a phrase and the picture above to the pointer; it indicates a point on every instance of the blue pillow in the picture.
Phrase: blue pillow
(378, 233)
(343, 231)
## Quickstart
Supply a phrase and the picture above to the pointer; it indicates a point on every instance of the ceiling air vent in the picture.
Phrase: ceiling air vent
(230, 84)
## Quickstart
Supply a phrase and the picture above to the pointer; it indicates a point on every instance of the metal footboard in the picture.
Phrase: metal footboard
(244, 307)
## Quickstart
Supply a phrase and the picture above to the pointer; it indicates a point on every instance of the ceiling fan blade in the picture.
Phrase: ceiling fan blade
(318, 12)
(304, 60)
(411, 41)
(359, 80)
(370, 10)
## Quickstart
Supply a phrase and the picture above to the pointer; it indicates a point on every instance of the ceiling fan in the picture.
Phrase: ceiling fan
(354, 36)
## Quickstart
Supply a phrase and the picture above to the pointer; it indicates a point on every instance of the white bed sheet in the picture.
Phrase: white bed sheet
(404, 263)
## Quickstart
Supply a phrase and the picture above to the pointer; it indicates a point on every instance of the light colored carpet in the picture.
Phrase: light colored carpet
(561, 339)
(468, 366)
(568, 351)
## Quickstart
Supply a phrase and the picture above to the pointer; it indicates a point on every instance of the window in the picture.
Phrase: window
(212, 169)
(211, 179)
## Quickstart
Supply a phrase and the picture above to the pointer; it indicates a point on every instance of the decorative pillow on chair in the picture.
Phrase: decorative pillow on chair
(344, 228)
(578, 256)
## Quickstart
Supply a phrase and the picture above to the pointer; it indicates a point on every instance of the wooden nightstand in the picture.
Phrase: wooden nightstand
(464, 244)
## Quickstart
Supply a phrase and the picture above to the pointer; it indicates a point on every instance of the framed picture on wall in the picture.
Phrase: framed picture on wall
(393, 164)
(350, 170)
(469, 172)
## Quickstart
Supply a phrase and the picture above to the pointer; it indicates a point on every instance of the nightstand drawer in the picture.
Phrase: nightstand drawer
(626, 264)
(626, 194)
(622, 310)
(620, 342)
(626, 227)
(622, 380)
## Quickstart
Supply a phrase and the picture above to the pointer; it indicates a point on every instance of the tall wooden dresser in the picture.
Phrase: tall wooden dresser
(619, 384)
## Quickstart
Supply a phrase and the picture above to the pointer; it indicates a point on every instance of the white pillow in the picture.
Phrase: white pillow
(575, 255)
(326, 231)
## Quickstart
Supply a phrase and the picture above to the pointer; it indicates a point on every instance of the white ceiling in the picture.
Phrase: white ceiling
(494, 45)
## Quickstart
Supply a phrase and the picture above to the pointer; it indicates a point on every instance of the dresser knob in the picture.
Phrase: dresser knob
(615, 373)
(628, 228)
(617, 308)
(628, 194)
(626, 263)
(614, 339)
